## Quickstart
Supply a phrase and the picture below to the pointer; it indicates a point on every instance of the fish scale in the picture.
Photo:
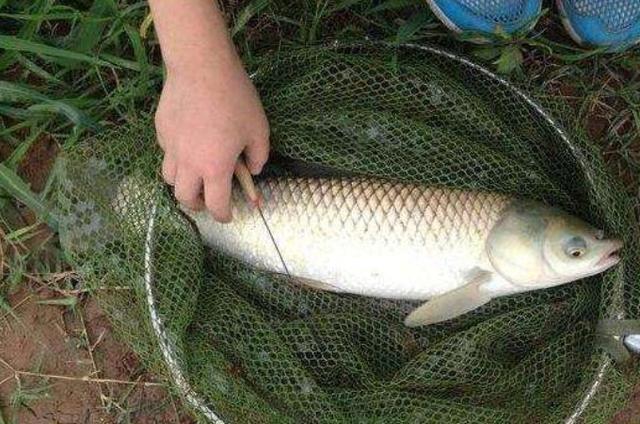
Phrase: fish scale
(363, 236)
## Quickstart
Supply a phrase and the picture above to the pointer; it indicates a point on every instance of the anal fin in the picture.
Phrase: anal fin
(454, 303)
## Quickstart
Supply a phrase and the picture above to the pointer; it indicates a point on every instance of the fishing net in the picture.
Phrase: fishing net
(245, 346)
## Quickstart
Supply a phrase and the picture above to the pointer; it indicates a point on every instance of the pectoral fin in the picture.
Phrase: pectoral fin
(452, 304)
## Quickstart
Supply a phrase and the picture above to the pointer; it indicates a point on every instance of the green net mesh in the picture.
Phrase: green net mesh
(247, 346)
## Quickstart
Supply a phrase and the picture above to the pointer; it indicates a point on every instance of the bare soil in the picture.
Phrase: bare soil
(630, 414)
(39, 160)
(74, 378)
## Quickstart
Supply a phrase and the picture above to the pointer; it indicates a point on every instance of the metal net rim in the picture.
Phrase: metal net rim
(170, 355)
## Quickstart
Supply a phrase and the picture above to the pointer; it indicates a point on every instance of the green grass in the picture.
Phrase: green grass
(70, 68)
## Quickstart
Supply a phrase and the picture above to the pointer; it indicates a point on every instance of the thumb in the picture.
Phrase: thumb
(256, 155)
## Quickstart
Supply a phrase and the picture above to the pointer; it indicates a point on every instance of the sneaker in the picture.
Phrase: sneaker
(614, 24)
(487, 17)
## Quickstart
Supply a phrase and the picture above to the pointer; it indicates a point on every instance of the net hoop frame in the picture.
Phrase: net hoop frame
(169, 352)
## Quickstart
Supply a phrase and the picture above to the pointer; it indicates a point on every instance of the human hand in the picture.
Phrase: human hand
(205, 120)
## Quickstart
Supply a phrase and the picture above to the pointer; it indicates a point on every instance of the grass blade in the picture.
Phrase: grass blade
(75, 115)
(8, 310)
(393, 5)
(17, 269)
(14, 93)
(412, 26)
(39, 71)
(24, 233)
(138, 49)
(91, 29)
(18, 44)
(344, 4)
(27, 31)
(510, 59)
(145, 25)
(19, 114)
(126, 63)
(16, 187)
(18, 154)
(62, 301)
(54, 16)
(252, 9)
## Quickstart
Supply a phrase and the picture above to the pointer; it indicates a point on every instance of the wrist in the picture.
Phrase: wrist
(205, 72)
(193, 36)
(197, 65)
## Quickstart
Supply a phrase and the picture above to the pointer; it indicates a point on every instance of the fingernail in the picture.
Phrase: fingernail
(256, 169)
(226, 218)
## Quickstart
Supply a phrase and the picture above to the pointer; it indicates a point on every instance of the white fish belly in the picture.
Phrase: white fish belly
(393, 272)
(361, 236)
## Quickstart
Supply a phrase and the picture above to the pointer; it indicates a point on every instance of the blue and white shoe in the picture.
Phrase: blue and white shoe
(614, 24)
(487, 17)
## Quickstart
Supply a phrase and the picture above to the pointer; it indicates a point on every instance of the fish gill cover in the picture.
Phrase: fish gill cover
(248, 347)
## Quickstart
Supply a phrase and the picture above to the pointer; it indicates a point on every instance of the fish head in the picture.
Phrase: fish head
(573, 249)
(536, 246)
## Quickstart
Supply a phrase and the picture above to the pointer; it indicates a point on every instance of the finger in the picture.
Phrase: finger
(169, 169)
(188, 190)
(217, 197)
(246, 182)
(257, 154)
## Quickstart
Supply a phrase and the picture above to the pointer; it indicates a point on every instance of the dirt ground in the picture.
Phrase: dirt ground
(630, 414)
(53, 372)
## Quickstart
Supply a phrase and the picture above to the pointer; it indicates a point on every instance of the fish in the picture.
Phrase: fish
(454, 249)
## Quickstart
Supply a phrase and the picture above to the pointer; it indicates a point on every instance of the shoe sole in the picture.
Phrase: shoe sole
(572, 32)
(449, 23)
(567, 24)
(453, 27)
(443, 18)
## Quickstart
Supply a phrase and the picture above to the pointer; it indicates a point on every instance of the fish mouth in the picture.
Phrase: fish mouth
(611, 256)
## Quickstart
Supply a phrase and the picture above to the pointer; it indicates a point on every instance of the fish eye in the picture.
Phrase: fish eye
(576, 247)
(576, 253)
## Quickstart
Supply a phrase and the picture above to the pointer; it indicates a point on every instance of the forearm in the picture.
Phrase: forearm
(193, 36)
(209, 112)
